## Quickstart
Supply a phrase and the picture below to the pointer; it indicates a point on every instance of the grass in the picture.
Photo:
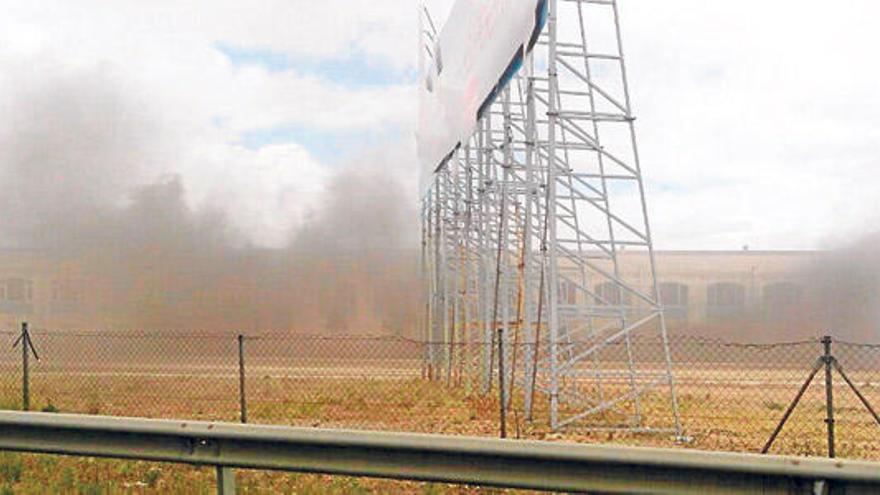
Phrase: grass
(38, 474)
(719, 414)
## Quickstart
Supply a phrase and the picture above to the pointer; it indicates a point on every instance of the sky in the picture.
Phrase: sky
(758, 122)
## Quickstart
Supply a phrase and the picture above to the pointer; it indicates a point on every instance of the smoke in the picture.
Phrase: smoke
(68, 150)
(88, 180)
(832, 292)
(845, 286)
(357, 254)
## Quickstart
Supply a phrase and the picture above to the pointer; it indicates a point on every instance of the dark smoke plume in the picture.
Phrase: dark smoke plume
(75, 188)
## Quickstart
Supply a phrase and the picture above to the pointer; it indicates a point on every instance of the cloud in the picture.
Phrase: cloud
(161, 58)
(764, 115)
(757, 122)
(172, 232)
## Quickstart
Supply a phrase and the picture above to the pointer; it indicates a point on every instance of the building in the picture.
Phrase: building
(35, 285)
(732, 294)
(735, 295)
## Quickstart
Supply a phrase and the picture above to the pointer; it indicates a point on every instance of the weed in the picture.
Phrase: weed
(151, 478)
(11, 468)
(68, 479)
(90, 489)
(94, 407)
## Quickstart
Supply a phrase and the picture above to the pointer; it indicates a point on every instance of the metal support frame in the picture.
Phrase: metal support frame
(561, 467)
(553, 165)
(829, 363)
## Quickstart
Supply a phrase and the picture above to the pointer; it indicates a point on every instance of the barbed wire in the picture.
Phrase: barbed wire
(384, 336)
(731, 393)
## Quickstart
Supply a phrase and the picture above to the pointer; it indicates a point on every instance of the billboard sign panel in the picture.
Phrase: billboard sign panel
(476, 53)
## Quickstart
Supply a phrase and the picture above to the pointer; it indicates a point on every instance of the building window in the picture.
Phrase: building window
(16, 295)
(17, 290)
(726, 300)
(781, 300)
(674, 298)
(611, 294)
(67, 296)
(567, 292)
(67, 291)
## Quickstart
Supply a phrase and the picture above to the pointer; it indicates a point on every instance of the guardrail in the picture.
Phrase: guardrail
(476, 461)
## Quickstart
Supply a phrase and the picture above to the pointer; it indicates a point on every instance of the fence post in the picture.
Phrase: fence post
(27, 347)
(501, 401)
(829, 394)
(25, 369)
(242, 399)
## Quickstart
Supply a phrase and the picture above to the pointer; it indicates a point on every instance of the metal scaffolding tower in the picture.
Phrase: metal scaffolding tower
(524, 230)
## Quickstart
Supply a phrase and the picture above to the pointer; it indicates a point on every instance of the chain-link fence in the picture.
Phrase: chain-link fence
(731, 396)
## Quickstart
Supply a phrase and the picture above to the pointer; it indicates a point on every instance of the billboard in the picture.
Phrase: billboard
(477, 52)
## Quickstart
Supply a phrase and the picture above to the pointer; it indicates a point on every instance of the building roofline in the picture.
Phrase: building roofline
(729, 252)
(711, 252)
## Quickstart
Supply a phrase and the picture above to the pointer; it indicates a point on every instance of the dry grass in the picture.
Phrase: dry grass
(721, 411)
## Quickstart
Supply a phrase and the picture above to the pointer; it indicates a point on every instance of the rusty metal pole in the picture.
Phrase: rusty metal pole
(797, 398)
(501, 401)
(829, 394)
(241, 376)
(856, 391)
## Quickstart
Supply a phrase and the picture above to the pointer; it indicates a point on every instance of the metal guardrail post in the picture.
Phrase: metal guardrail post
(225, 481)
(242, 398)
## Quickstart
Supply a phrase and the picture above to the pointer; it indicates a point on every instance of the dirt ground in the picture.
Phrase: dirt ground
(722, 409)
(730, 398)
